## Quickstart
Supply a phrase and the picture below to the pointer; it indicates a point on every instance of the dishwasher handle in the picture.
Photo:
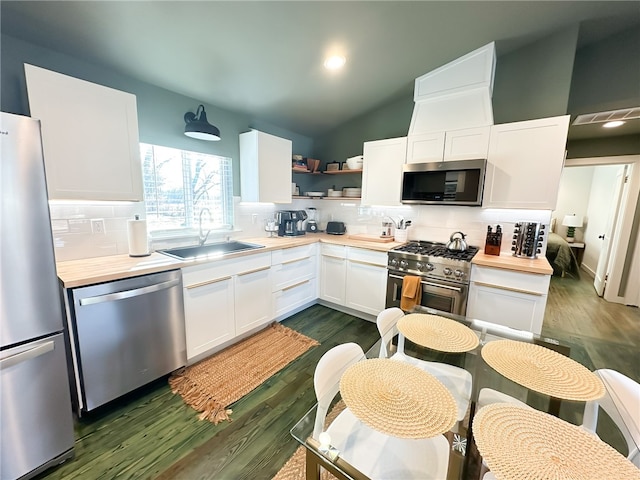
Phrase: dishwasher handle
(136, 292)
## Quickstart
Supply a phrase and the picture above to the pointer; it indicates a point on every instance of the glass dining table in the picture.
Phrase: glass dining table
(502, 374)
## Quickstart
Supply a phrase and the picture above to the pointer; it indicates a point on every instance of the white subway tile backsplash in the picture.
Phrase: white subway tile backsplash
(73, 238)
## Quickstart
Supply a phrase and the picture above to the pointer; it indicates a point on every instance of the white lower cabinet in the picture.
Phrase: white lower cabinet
(353, 277)
(252, 298)
(293, 278)
(509, 298)
(333, 273)
(224, 299)
(366, 280)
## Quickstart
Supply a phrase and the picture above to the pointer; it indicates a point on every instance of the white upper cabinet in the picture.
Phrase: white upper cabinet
(265, 168)
(382, 171)
(525, 161)
(89, 136)
(425, 147)
(465, 144)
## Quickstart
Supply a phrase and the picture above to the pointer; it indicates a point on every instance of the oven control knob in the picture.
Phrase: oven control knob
(419, 266)
(393, 262)
(447, 271)
(458, 273)
(404, 264)
(430, 267)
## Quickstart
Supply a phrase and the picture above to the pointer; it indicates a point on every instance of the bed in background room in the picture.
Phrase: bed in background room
(561, 257)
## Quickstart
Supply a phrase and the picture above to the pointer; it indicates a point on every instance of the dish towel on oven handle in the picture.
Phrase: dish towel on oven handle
(411, 292)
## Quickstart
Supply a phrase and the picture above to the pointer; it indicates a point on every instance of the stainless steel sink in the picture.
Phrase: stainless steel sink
(210, 250)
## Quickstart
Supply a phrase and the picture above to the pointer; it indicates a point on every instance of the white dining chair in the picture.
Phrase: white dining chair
(457, 380)
(626, 393)
(487, 396)
(377, 455)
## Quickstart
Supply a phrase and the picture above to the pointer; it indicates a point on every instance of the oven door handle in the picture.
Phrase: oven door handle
(455, 289)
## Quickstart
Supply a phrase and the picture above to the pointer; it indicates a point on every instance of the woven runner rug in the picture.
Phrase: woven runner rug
(214, 383)
(295, 468)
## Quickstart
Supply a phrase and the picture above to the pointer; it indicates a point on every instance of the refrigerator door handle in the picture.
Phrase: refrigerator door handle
(26, 355)
(128, 293)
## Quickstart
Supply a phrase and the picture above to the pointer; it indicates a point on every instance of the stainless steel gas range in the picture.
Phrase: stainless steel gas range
(444, 274)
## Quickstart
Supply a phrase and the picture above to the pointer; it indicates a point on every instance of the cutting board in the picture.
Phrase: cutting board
(371, 238)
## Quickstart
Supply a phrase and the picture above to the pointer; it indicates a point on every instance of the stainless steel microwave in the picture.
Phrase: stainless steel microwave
(444, 183)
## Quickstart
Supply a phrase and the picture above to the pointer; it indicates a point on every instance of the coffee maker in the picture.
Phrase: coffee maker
(290, 222)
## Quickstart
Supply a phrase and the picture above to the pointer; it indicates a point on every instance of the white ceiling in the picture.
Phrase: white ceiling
(265, 58)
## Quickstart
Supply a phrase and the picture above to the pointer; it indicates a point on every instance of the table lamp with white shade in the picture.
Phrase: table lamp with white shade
(572, 222)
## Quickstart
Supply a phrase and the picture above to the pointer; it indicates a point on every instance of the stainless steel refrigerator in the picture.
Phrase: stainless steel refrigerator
(35, 407)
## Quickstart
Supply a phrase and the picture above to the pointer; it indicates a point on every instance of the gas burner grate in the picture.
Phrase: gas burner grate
(433, 249)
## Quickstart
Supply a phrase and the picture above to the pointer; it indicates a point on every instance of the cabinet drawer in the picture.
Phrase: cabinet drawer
(295, 253)
(292, 272)
(507, 307)
(294, 296)
(218, 270)
(530, 283)
(362, 255)
(329, 250)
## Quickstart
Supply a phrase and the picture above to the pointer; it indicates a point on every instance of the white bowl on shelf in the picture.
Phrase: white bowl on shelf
(314, 194)
(355, 163)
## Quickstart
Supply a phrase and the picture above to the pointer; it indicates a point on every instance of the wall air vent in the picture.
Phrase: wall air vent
(601, 117)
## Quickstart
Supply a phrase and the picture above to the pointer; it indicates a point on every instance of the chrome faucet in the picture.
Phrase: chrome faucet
(202, 237)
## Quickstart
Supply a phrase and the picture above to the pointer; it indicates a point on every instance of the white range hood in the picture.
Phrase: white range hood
(456, 95)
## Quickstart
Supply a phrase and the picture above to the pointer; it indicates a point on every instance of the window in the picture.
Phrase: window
(179, 184)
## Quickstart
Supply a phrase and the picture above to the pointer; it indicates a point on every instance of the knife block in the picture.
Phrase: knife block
(492, 243)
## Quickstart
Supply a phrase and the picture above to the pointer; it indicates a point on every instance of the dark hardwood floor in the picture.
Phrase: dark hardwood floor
(578, 316)
(152, 434)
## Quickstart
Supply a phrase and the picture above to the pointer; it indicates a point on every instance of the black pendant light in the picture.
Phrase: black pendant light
(198, 127)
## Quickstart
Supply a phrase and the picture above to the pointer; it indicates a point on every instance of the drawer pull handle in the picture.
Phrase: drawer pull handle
(208, 282)
(295, 285)
(367, 263)
(295, 260)
(254, 271)
(509, 289)
(334, 256)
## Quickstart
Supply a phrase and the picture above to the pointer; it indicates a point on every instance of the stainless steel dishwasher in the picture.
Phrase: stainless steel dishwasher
(124, 334)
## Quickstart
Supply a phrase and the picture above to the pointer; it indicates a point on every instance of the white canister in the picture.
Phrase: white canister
(137, 237)
(401, 234)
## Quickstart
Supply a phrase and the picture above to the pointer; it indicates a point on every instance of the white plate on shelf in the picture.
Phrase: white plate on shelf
(315, 194)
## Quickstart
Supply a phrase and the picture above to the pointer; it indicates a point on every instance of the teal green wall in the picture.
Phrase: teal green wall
(534, 81)
(160, 111)
(606, 75)
(604, 147)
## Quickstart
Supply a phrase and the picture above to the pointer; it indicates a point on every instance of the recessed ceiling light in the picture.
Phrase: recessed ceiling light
(335, 62)
(615, 124)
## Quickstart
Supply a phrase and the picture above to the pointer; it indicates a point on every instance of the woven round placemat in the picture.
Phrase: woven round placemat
(398, 398)
(522, 443)
(438, 333)
(543, 370)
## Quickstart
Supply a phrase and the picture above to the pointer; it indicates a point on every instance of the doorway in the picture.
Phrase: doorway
(604, 191)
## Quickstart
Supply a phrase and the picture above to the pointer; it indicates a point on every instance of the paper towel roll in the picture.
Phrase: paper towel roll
(137, 233)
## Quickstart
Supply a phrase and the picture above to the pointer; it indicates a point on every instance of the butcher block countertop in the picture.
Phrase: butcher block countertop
(89, 271)
(507, 261)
